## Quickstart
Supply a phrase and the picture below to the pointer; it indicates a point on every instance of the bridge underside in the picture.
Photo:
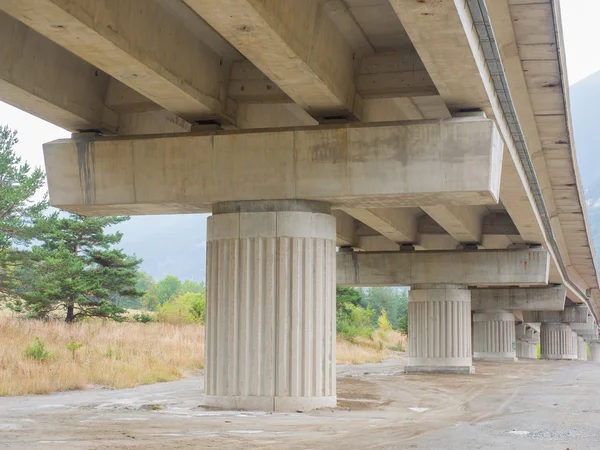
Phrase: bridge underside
(429, 141)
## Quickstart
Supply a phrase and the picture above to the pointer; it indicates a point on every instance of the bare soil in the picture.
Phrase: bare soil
(521, 405)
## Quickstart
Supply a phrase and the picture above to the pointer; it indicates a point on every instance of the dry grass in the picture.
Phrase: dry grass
(114, 355)
(364, 350)
(120, 355)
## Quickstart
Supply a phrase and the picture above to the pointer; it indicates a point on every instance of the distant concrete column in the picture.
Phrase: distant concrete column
(581, 349)
(575, 339)
(270, 317)
(526, 350)
(494, 335)
(594, 351)
(439, 329)
(556, 341)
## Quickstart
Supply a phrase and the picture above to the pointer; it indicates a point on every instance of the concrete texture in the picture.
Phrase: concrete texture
(571, 314)
(581, 349)
(594, 351)
(522, 406)
(439, 329)
(454, 161)
(556, 340)
(494, 335)
(519, 299)
(526, 350)
(496, 267)
(270, 318)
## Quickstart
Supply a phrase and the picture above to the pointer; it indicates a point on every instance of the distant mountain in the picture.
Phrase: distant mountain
(585, 109)
(169, 245)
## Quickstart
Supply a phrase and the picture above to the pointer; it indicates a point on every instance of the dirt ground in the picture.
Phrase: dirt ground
(522, 405)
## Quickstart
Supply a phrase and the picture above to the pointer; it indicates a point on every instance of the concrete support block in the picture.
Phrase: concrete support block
(594, 351)
(439, 329)
(526, 349)
(581, 349)
(494, 335)
(571, 314)
(270, 318)
(557, 342)
(510, 299)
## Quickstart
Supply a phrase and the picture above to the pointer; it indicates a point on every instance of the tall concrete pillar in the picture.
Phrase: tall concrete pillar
(270, 317)
(556, 341)
(439, 329)
(526, 350)
(494, 335)
(594, 351)
(581, 349)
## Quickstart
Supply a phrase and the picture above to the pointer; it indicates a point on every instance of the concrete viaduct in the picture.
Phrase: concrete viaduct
(360, 142)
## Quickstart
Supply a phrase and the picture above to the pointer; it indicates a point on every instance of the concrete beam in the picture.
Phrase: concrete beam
(42, 78)
(115, 37)
(397, 224)
(295, 44)
(524, 299)
(463, 224)
(345, 229)
(483, 267)
(571, 314)
(450, 161)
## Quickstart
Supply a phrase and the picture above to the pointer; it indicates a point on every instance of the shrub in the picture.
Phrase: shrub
(185, 309)
(143, 318)
(383, 322)
(403, 324)
(353, 321)
(37, 351)
(73, 346)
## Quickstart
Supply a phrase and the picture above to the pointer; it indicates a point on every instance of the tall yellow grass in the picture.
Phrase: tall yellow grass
(114, 355)
(120, 355)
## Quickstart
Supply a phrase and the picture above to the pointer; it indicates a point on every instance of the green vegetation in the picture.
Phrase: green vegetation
(73, 346)
(359, 312)
(37, 350)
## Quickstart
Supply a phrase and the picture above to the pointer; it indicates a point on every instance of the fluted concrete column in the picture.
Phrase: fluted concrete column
(557, 342)
(270, 317)
(494, 335)
(581, 349)
(439, 329)
(594, 351)
(526, 350)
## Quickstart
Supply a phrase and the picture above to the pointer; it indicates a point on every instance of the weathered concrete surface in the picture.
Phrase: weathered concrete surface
(494, 335)
(533, 299)
(522, 405)
(439, 329)
(454, 161)
(482, 267)
(270, 313)
(557, 341)
(571, 314)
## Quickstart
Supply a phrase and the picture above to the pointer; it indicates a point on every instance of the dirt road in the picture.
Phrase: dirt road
(523, 405)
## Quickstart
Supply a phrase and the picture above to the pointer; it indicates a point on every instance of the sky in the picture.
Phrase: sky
(581, 34)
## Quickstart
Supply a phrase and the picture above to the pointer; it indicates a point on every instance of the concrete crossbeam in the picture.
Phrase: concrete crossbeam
(397, 224)
(571, 314)
(519, 299)
(483, 267)
(453, 161)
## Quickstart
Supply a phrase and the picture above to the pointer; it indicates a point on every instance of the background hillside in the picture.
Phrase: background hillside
(177, 244)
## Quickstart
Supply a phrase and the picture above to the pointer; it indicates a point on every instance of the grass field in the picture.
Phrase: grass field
(119, 355)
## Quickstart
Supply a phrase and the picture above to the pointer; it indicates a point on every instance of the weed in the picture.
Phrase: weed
(37, 350)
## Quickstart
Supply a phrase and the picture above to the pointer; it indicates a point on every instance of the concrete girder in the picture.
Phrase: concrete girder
(360, 166)
(397, 224)
(571, 314)
(482, 267)
(345, 229)
(293, 43)
(115, 37)
(519, 299)
(463, 224)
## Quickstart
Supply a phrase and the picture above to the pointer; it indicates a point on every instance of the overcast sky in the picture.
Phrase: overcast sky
(581, 32)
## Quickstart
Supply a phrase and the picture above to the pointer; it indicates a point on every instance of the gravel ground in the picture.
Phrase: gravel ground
(522, 405)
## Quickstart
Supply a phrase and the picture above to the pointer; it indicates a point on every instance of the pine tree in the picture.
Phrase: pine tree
(76, 270)
(18, 184)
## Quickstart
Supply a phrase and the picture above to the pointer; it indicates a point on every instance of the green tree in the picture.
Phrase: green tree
(76, 270)
(18, 184)
(347, 295)
(144, 282)
(165, 290)
(193, 287)
(184, 309)
(391, 299)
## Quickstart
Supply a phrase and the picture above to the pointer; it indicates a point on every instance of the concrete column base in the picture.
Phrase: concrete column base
(270, 314)
(557, 342)
(258, 403)
(494, 336)
(581, 349)
(439, 329)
